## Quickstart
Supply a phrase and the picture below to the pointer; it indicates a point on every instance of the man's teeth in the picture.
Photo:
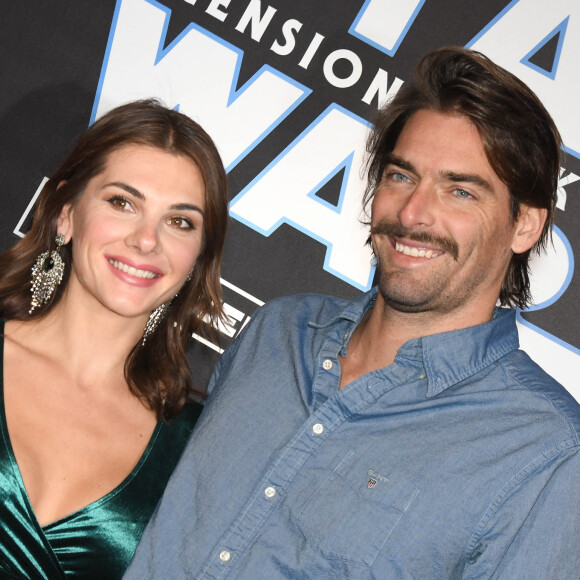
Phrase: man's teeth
(416, 252)
(132, 271)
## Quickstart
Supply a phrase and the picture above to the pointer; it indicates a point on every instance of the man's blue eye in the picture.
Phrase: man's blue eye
(462, 193)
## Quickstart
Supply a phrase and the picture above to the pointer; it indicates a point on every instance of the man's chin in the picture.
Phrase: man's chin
(404, 302)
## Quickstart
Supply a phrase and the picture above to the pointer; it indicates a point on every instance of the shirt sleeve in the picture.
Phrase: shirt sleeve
(535, 531)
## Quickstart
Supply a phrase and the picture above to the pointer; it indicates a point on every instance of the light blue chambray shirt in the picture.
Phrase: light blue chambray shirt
(459, 460)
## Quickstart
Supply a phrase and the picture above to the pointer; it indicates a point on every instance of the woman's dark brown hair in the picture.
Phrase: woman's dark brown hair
(520, 139)
(158, 371)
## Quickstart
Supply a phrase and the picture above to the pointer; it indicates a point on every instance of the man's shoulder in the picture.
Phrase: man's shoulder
(285, 319)
(542, 386)
(282, 324)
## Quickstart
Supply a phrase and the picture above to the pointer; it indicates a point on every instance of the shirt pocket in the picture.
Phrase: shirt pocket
(355, 509)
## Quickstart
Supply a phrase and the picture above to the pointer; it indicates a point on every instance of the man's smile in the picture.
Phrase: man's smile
(416, 252)
(434, 245)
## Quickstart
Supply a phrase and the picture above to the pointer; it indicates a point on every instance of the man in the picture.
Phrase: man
(401, 435)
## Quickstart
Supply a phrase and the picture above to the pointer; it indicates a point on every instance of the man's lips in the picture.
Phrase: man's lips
(147, 274)
(435, 245)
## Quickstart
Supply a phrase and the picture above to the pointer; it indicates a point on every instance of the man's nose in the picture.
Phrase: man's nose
(420, 206)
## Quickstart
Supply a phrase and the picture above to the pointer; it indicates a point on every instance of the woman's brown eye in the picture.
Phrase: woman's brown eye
(118, 202)
(181, 223)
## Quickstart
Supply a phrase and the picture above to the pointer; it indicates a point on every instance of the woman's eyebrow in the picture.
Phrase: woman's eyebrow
(128, 188)
(136, 193)
(187, 207)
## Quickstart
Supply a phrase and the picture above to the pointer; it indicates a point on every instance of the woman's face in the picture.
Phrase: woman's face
(136, 230)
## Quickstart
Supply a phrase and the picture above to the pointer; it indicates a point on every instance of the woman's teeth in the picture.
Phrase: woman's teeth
(132, 271)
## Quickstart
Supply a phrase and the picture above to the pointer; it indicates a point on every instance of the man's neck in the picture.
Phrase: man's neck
(379, 336)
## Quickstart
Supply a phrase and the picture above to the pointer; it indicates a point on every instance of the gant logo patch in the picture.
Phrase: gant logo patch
(375, 478)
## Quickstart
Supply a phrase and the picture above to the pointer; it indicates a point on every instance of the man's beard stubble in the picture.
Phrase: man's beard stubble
(396, 230)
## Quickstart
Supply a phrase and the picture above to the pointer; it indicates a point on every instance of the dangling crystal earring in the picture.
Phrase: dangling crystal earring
(46, 275)
(155, 319)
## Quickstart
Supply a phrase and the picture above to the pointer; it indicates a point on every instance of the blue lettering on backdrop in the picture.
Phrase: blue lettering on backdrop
(383, 24)
(518, 32)
(137, 65)
(559, 31)
(345, 167)
(284, 192)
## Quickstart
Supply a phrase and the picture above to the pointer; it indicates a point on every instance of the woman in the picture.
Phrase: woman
(98, 301)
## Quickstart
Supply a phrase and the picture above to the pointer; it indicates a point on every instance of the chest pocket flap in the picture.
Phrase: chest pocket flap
(352, 513)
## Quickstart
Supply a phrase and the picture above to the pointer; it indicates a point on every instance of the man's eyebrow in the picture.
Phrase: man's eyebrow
(399, 162)
(467, 178)
(136, 193)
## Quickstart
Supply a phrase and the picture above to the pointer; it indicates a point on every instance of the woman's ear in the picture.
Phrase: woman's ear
(65, 222)
(529, 227)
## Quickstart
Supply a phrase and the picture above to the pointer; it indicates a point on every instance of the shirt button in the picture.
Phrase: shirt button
(317, 429)
(225, 556)
(327, 364)
(270, 492)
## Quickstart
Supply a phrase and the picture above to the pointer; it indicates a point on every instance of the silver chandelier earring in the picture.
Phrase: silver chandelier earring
(159, 314)
(155, 319)
(46, 275)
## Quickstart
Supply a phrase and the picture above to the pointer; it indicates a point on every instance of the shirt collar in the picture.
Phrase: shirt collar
(353, 311)
(448, 357)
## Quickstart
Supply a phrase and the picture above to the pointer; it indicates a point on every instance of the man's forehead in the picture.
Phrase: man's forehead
(450, 141)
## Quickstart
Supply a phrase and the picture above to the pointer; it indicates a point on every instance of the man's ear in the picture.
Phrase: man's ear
(529, 226)
(65, 222)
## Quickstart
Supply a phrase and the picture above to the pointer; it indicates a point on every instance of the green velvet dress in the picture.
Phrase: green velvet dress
(98, 541)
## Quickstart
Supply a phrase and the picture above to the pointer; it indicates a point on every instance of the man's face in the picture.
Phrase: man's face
(441, 226)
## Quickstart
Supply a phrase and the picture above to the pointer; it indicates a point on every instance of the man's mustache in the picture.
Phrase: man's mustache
(396, 230)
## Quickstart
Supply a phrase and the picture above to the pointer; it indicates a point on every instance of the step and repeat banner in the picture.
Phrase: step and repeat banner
(286, 89)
